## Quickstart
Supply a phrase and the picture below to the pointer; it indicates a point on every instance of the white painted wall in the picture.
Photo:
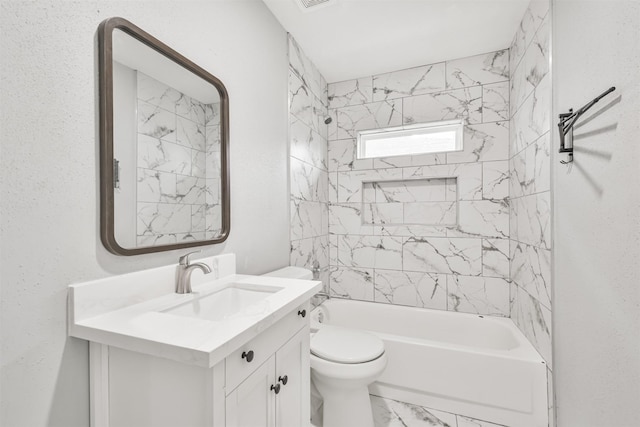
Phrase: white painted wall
(49, 206)
(596, 310)
(125, 198)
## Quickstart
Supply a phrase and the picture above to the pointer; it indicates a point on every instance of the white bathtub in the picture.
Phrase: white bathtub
(478, 366)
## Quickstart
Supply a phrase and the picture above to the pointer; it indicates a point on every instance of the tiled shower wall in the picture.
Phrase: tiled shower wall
(309, 230)
(495, 259)
(178, 182)
(529, 164)
(397, 253)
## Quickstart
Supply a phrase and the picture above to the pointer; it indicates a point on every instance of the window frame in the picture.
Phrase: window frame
(408, 130)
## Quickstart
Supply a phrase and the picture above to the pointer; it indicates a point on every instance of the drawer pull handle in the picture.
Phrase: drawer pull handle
(283, 380)
(248, 355)
(275, 388)
(302, 313)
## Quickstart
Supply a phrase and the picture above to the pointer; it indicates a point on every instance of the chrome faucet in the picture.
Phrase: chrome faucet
(315, 270)
(185, 269)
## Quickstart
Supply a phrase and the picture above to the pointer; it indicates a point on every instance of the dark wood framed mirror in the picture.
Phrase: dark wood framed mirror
(164, 146)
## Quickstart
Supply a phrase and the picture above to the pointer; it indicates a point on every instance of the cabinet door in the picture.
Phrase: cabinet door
(292, 361)
(251, 404)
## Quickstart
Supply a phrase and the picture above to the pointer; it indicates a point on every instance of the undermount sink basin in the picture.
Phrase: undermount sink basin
(234, 299)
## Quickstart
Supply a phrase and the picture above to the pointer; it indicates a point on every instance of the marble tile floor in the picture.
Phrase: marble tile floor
(392, 413)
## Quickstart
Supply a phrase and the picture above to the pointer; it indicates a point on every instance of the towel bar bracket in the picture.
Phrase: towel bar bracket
(568, 120)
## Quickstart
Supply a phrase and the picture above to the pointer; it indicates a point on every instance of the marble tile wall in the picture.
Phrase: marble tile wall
(496, 258)
(178, 166)
(413, 202)
(447, 251)
(529, 183)
(309, 180)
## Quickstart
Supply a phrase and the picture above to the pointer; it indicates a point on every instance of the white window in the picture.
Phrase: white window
(423, 138)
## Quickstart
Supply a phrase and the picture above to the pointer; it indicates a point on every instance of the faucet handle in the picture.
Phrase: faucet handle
(184, 259)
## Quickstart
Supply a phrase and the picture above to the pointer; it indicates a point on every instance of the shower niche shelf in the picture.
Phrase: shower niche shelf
(431, 202)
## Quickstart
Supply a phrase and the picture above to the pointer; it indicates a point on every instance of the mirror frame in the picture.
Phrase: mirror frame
(107, 212)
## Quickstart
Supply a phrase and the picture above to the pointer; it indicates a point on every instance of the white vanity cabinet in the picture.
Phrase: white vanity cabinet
(135, 389)
(277, 393)
(208, 358)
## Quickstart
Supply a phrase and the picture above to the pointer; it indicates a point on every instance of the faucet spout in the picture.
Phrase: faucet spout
(185, 269)
(316, 270)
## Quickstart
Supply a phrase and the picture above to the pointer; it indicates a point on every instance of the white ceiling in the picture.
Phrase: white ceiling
(357, 38)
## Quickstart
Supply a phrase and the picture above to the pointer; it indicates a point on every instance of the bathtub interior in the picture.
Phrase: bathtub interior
(438, 327)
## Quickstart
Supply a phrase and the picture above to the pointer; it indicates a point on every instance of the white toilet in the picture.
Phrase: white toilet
(343, 364)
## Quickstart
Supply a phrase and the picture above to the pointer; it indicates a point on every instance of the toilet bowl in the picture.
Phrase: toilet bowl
(343, 363)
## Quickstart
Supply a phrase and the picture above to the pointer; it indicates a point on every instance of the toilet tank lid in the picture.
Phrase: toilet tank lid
(291, 273)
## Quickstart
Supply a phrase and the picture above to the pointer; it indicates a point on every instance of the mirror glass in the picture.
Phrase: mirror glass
(164, 146)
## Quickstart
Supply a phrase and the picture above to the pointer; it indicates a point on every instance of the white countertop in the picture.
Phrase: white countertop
(135, 323)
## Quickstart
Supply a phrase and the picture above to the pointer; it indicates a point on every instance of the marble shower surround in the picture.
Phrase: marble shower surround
(178, 165)
(530, 217)
(410, 202)
(502, 177)
(309, 225)
(530, 183)
(462, 267)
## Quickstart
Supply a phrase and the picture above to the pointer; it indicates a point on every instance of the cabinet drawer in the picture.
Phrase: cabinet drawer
(258, 350)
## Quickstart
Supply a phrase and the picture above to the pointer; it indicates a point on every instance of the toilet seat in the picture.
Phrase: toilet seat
(343, 345)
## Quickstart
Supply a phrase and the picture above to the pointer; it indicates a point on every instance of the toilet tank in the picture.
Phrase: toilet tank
(291, 273)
